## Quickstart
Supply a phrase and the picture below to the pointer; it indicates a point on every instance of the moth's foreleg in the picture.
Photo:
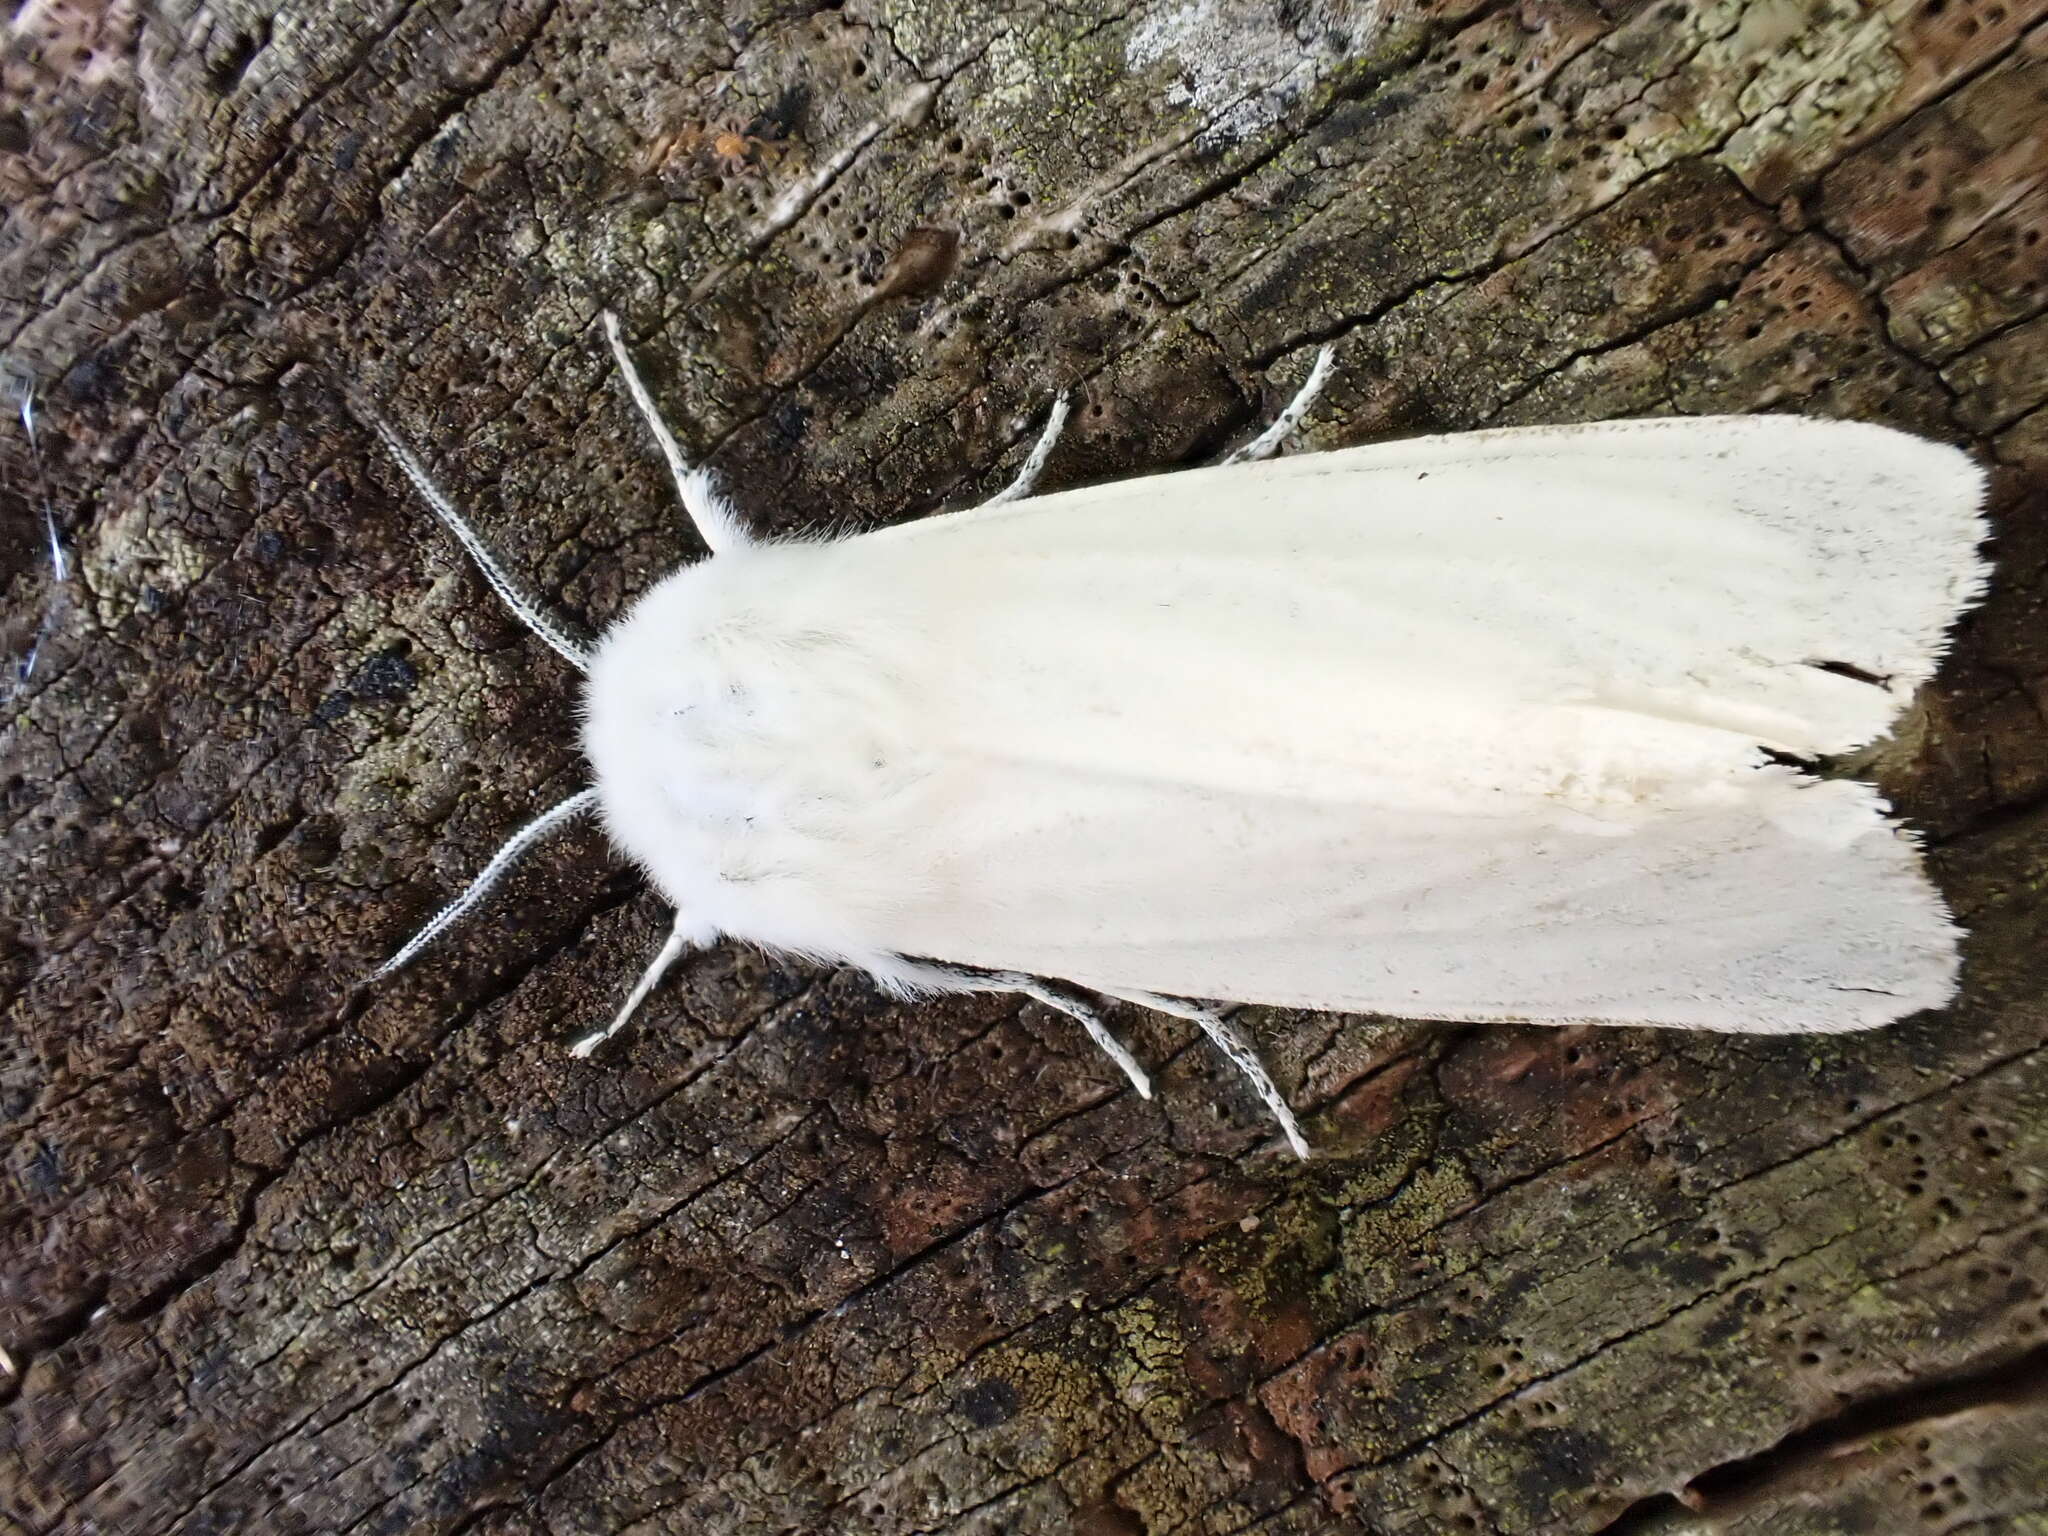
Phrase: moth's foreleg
(917, 975)
(1034, 466)
(1268, 441)
(678, 940)
(718, 525)
(1238, 1050)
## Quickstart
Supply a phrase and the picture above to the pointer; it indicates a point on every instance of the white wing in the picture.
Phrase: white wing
(1462, 727)
(1795, 909)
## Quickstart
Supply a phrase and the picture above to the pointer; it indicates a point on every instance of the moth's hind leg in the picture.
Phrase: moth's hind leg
(1034, 465)
(1269, 441)
(917, 976)
(914, 976)
(1238, 1050)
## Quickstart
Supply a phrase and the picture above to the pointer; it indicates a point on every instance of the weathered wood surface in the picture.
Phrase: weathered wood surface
(279, 1255)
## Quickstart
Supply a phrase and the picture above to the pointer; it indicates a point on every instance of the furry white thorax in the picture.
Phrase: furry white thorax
(706, 714)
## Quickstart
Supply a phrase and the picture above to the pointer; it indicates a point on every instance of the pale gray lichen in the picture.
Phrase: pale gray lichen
(1241, 66)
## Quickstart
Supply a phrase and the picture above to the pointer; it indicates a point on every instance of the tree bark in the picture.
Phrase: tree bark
(282, 1252)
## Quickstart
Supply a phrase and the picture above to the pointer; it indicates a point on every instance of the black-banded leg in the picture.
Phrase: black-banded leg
(1268, 442)
(1034, 464)
(1235, 1048)
(922, 976)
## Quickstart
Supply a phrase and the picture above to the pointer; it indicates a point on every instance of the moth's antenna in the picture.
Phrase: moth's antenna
(717, 524)
(493, 872)
(23, 388)
(523, 608)
(1267, 441)
(1235, 1047)
(649, 978)
(1034, 466)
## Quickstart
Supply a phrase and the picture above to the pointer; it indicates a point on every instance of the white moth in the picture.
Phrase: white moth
(1491, 726)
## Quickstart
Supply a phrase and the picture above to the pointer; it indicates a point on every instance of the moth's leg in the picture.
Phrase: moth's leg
(678, 940)
(1235, 1047)
(1034, 466)
(718, 525)
(524, 608)
(507, 855)
(1269, 440)
(1078, 1010)
(945, 978)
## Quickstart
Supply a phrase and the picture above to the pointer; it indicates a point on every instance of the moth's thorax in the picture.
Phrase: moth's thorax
(735, 740)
